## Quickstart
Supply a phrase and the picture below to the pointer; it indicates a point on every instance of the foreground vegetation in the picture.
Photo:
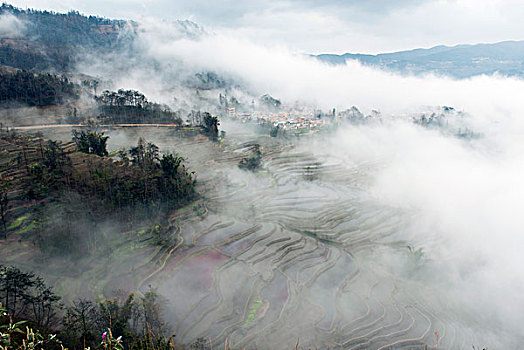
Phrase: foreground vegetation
(32, 316)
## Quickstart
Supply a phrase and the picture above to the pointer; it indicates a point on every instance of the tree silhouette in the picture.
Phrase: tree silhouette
(91, 142)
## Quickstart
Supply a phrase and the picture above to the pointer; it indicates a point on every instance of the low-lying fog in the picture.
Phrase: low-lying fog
(364, 237)
(369, 236)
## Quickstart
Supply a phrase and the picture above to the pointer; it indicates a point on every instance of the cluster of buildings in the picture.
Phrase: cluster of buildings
(272, 113)
(286, 120)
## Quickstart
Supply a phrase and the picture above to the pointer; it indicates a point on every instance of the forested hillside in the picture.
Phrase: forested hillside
(49, 40)
(36, 89)
(81, 186)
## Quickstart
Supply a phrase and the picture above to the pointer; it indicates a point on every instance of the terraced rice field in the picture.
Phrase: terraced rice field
(294, 252)
(297, 251)
(280, 256)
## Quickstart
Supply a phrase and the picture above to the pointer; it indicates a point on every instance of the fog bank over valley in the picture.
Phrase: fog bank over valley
(342, 205)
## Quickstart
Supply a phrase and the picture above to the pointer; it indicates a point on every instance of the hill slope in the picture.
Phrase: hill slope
(44, 40)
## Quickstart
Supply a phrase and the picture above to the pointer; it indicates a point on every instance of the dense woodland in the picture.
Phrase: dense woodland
(36, 89)
(32, 60)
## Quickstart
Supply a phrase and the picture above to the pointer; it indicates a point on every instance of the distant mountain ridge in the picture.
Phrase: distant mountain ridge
(461, 61)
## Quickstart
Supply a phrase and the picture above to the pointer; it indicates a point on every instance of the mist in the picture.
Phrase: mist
(459, 200)
(462, 199)
(11, 27)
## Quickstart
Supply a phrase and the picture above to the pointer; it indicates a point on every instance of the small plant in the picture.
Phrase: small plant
(36, 340)
(33, 340)
(8, 329)
(111, 343)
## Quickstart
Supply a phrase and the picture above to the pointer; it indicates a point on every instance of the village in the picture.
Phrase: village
(297, 117)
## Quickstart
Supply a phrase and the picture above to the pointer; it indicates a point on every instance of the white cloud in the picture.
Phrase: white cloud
(11, 27)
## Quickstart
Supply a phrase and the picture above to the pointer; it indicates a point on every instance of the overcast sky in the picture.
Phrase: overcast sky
(335, 26)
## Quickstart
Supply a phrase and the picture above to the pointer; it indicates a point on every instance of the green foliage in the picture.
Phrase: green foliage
(416, 259)
(12, 335)
(136, 323)
(309, 174)
(17, 223)
(170, 164)
(44, 305)
(152, 313)
(109, 342)
(55, 159)
(270, 102)
(22, 59)
(68, 194)
(200, 344)
(273, 131)
(269, 128)
(117, 316)
(144, 155)
(91, 142)
(417, 254)
(256, 304)
(208, 80)
(210, 125)
(66, 29)
(47, 174)
(164, 178)
(65, 227)
(15, 289)
(254, 162)
(8, 328)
